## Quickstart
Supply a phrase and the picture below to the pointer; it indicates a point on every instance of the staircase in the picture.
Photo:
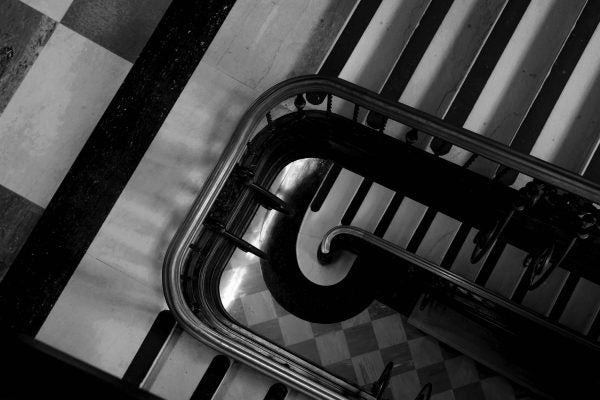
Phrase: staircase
(524, 73)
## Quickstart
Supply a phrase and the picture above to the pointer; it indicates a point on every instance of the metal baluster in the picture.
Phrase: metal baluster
(485, 239)
(355, 113)
(382, 383)
(412, 136)
(425, 393)
(270, 121)
(236, 240)
(262, 195)
(299, 103)
(540, 267)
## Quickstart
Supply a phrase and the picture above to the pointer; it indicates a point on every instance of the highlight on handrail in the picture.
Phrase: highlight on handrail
(201, 320)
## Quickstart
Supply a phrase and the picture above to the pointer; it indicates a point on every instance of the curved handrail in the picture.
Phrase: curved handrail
(326, 254)
(179, 247)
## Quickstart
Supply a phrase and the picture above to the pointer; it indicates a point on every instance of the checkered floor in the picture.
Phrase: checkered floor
(358, 349)
(61, 64)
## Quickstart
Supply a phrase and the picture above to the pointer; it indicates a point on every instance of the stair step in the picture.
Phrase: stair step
(178, 375)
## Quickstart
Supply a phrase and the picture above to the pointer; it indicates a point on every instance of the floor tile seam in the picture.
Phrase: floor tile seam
(40, 12)
(121, 271)
(21, 198)
(121, 21)
(208, 64)
(29, 45)
(130, 63)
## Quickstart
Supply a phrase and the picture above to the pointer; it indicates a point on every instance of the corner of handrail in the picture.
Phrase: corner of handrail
(176, 251)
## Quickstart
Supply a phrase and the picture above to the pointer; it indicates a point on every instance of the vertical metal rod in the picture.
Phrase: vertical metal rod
(355, 112)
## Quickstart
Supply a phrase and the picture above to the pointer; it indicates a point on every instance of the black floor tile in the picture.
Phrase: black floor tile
(361, 339)
(470, 392)
(270, 330)
(279, 310)
(401, 356)
(411, 331)
(321, 329)
(23, 33)
(484, 372)
(448, 352)
(344, 370)
(123, 27)
(378, 310)
(18, 216)
(307, 349)
(437, 375)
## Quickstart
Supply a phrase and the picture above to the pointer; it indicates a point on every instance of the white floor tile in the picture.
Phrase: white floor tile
(461, 371)
(258, 308)
(294, 329)
(368, 367)
(389, 331)
(332, 347)
(425, 351)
